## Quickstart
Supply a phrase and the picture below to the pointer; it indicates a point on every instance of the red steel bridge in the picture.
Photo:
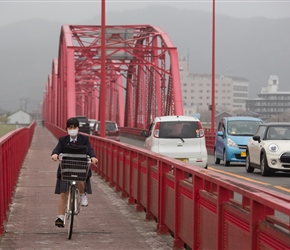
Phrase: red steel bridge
(203, 209)
(141, 75)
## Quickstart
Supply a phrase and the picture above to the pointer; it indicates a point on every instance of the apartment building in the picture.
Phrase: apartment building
(270, 102)
(231, 92)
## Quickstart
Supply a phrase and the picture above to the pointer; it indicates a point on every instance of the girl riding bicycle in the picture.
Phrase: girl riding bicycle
(73, 138)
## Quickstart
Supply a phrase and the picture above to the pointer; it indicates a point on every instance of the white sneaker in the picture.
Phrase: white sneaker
(84, 200)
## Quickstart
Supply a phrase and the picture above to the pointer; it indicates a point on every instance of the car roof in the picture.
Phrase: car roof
(276, 124)
(242, 118)
(106, 121)
(176, 118)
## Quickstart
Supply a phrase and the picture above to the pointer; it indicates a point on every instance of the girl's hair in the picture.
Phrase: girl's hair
(72, 122)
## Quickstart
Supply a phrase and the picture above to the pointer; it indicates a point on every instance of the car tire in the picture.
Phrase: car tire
(226, 163)
(248, 166)
(265, 171)
(216, 160)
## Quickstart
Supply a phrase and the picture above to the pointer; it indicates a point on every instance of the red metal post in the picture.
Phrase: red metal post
(121, 114)
(213, 71)
(103, 72)
(71, 86)
(178, 242)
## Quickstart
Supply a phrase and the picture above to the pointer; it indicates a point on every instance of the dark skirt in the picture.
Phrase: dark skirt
(62, 186)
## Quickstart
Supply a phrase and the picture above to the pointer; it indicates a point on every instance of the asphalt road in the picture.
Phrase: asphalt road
(280, 181)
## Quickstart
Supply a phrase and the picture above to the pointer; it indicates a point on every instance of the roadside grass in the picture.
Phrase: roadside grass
(5, 128)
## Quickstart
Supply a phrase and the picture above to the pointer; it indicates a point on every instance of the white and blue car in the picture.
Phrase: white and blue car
(232, 137)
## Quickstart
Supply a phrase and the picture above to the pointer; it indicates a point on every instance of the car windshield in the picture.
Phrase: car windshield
(92, 122)
(242, 127)
(110, 126)
(82, 119)
(179, 129)
(278, 133)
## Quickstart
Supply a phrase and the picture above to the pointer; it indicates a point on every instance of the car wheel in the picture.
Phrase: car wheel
(216, 160)
(249, 168)
(226, 163)
(265, 171)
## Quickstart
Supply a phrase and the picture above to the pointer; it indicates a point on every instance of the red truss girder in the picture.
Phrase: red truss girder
(142, 75)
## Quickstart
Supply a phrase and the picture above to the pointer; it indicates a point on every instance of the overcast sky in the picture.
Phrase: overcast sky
(75, 12)
(72, 12)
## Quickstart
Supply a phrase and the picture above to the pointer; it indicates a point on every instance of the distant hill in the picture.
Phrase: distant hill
(252, 48)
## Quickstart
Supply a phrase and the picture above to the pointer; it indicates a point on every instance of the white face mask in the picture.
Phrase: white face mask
(72, 132)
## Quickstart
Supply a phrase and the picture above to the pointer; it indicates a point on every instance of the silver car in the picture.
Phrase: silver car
(269, 149)
(92, 124)
(179, 137)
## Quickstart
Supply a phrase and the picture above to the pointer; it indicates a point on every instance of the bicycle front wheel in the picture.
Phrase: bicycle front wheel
(71, 203)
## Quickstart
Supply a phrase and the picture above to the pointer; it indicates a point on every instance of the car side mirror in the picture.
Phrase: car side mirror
(220, 133)
(257, 138)
(144, 133)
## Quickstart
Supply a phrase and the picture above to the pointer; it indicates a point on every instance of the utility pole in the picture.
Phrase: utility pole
(213, 72)
(103, 71)
(20, 103)
(23, 103)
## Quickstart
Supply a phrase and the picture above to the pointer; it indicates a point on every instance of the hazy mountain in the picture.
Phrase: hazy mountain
(252, 48)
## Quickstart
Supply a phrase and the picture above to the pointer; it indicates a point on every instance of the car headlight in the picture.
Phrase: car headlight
(231, 143)
(273, 148)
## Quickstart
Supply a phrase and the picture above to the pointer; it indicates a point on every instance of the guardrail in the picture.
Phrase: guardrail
(202, 209)
(13, 149)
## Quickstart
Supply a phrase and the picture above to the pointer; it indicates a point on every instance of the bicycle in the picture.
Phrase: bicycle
(74, 168)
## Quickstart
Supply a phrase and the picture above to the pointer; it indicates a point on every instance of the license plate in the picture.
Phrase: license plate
(184, 160)
(243, 154)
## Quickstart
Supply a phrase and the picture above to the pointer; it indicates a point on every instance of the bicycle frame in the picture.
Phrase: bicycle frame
(72, 206)
(77, 197)
(74, 168)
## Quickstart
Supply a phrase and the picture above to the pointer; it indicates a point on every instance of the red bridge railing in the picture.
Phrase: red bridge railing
(202, 209)
(13, 149)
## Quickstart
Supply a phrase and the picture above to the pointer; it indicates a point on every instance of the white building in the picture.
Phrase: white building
(231, 92)
(19, 117)
(272, 86)
(270, 102)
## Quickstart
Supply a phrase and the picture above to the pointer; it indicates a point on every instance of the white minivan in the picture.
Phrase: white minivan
(179, 137)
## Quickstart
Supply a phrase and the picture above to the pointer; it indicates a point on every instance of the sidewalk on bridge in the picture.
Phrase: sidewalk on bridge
(107, 223)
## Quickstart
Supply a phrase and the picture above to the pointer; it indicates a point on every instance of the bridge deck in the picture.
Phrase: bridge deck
(107, 223)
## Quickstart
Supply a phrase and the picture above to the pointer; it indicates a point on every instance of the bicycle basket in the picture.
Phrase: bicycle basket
(74, 167)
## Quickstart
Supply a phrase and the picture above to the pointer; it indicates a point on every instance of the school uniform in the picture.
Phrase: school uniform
(81, 140)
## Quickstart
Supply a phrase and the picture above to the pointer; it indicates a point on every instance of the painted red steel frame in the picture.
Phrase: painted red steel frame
(13, 149)
(142, 75)
(213, 70)
(103, 71)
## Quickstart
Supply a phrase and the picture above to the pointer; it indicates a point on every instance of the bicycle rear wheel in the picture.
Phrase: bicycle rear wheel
(71, 203)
